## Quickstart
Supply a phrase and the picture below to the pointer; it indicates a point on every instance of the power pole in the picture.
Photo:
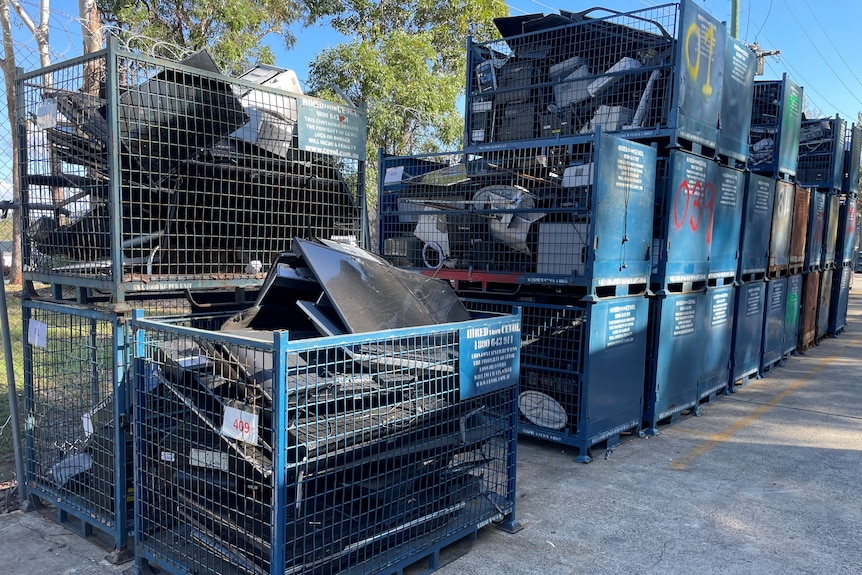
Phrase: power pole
(734, 18)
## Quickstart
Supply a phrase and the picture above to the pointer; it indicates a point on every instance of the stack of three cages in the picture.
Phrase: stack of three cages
(546, 209)
(829, 156)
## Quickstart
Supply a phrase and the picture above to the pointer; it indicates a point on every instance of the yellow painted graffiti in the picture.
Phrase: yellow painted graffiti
(694, 67)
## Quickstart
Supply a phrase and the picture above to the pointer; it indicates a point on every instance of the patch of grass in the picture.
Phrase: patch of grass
(7, 457)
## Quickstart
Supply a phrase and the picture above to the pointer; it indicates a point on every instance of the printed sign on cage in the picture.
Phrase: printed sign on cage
(490, 357)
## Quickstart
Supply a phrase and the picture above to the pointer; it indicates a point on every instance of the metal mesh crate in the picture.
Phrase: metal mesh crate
(830, 237)
(840, 301)
(799, 229)
(808, 309)
(748, 330)
(724, 249)
(846, 236)
(757, 224)
(210, 175)
(76, 401)
(349, 454)
(816, 226)
(779, 235)
(773, 324)
(718, 340)
(686, 193)
(740, 64)
(776, 116)
(792, 314)
(821, 153)
(824, 302)
(655, 72)
(852, 159)
(677, 333)
(582, 368)
(574, 214)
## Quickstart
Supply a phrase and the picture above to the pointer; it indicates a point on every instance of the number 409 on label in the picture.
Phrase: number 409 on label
(239, 424)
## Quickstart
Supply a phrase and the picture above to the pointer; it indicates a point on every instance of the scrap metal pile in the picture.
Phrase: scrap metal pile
(195, 172)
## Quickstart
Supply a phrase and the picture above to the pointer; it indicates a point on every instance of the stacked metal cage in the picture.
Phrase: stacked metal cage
(847, 234)
(142, 174)
(572, 214)
(758, 207)
(161, 186)
(360, 453)
(776, 117)
(652, 73)
(563, 230)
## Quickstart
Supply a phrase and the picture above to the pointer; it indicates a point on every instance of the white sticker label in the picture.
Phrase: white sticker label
(37, 333)
(239, 424)
(393, 175)
(208, 459)
(46, 114)
(87, 422)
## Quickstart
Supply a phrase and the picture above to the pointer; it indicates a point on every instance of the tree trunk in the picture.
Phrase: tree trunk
(8, 65)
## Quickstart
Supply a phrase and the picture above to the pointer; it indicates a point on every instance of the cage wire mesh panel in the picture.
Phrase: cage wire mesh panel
(821, 153)
(577, 214)
(210, 175)
(581, 367)
(75, 397)
(776, 116)
(351, 454)
(647, 73)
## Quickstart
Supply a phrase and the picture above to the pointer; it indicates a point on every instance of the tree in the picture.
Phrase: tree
(231, 30)
(40, 34)
(406, 61)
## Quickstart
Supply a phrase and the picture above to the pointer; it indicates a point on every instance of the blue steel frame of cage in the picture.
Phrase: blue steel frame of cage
(113, 280)
(119, 529)
(280, 347)
(602, 269)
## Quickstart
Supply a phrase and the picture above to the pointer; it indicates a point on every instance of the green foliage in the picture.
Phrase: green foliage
(406, 61)
(231, 30)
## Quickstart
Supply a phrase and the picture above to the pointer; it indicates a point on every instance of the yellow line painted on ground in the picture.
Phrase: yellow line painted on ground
(724, 435)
